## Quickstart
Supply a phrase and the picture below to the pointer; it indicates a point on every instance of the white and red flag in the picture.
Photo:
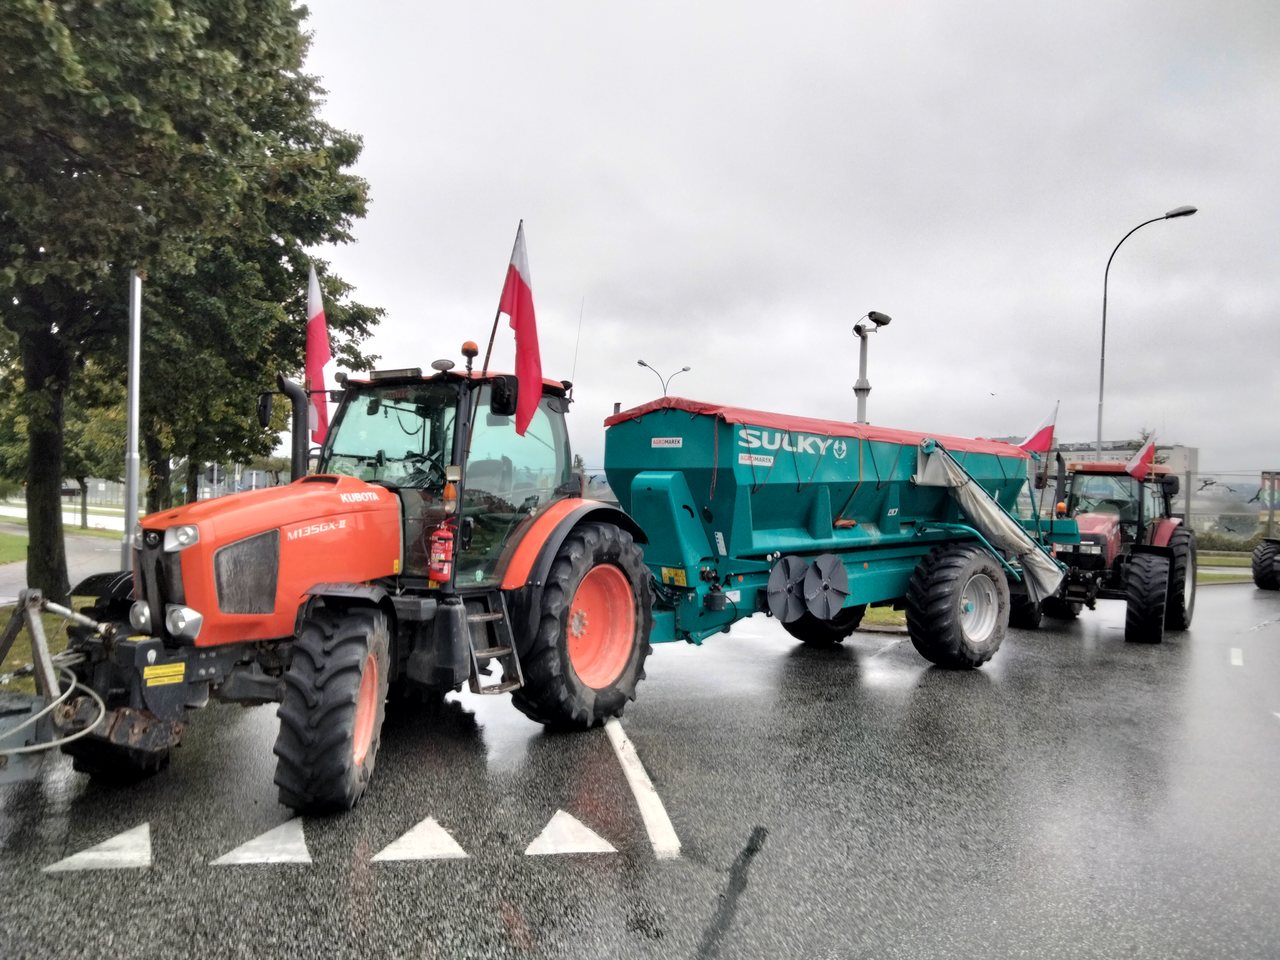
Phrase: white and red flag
(318, 354)
(1140, 465)
(517, 303)
(1040, 440)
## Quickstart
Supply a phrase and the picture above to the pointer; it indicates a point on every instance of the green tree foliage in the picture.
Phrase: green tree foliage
(179, 137)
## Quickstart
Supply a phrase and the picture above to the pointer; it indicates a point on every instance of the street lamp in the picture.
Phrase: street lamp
(872, 322)
(663, 381)
(1102, 357)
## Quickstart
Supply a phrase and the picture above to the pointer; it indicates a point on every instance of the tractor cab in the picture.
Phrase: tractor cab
(1114, 509)
(447, 445)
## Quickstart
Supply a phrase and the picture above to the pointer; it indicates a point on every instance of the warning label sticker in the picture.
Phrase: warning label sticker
(674, 576)
(163, 674)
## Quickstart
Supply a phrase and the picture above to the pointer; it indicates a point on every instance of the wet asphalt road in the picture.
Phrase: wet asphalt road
(1077, 797)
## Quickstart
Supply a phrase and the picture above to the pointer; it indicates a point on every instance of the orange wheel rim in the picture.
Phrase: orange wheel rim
(602, 626)
(366, 711)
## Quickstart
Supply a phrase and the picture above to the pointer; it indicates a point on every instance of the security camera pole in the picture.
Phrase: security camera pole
(872, 322)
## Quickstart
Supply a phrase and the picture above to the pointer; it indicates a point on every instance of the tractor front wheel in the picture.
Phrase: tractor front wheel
(1266, 565)
(593, 629)
(1147, 593)
(826, 633)
(335, 694)
(958, 606)
(1182, 580)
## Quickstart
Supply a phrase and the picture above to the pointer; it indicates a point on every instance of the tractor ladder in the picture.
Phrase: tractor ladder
(491, 638)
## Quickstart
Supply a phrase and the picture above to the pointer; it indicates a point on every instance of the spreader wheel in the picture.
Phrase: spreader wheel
(335, 694)
(958, 606)
(826, 633)
(593, 631)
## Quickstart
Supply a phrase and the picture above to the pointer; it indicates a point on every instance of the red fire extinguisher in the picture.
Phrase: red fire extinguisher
(440, 564)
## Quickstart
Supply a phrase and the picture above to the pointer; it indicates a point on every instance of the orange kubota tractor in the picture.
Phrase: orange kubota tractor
(432, 542)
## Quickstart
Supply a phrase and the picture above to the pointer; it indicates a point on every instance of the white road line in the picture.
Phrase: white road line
(566, 834)
(131, 849)
(662, 835)
(1237, 657)
(427, 841)
(283, 844)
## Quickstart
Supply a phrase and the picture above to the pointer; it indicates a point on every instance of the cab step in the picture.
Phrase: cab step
(491, 639)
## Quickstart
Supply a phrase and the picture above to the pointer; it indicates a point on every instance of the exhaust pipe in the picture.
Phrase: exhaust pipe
(298, 401)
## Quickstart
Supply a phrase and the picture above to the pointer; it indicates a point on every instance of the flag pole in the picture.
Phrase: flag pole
(493, 334)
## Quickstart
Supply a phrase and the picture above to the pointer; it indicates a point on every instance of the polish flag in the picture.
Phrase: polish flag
(317, 356)
(517, 302)
(1040, 440)
(1141, 463)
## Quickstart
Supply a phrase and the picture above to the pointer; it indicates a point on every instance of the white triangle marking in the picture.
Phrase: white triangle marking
(283, 844)
(427, 841)
(131, 849)
(564, 834)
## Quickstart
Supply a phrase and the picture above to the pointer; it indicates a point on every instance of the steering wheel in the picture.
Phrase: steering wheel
(1120, 506)
(425, 468)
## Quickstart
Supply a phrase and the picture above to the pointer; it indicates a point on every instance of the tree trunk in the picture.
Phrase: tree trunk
(46, 370)
(84, 502)
(193, 479)
(159, 476)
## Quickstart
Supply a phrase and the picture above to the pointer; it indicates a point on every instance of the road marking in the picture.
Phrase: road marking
(662, 835)
(283, 844)
(427, 841)
(564, 834)
(1237, 657)
(128, 850)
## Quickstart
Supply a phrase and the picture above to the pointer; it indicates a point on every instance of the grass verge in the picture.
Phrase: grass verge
(1242, 577)
(13, 547)
(884, 617)
(1214, 558)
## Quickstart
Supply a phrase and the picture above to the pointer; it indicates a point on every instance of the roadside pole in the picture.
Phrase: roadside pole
(131, 444)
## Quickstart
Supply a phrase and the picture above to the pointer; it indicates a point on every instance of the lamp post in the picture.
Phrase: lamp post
(1102, 356)
(661, 379)
(872, 322)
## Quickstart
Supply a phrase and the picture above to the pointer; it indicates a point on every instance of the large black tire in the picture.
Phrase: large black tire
(1147, 593)
(1266, 568)
(1181, 603)
(591, 643)
(1060, 609)
(1024, 613)
(958, 606)
(826, 633)
(331, 715)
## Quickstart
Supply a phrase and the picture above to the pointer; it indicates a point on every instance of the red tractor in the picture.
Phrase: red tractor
(1131, 548)
(433, 542)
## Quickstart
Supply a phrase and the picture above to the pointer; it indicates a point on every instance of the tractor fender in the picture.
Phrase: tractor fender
(348, 594)
(529, 563)
(1164, 530)
(106, 586)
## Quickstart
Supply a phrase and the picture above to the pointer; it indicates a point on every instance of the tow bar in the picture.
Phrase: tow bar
(39, 722)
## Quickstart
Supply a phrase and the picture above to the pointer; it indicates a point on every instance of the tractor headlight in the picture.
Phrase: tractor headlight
(182, 621)
(137, 536)
(140, 617)
(1089, 547)
(179, 538)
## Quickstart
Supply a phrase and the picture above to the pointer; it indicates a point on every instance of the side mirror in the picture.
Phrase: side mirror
(1170, 483)
(264, 410)
(502, 396)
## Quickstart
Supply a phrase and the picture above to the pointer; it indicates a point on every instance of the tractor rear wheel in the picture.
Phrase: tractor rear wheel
(1182, 580)
(825, 633)
(335, 694)
(958, 606)
(592, 636)
(1147, 593)
(1060, 609)
(1266, 569)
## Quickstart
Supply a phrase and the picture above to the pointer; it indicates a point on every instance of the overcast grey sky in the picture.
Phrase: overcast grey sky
(732, 185)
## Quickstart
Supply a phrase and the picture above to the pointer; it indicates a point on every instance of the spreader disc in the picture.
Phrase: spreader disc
(786, 589)
(825, 586)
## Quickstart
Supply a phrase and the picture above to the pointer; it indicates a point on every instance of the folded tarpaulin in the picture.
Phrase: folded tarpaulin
(935, 467)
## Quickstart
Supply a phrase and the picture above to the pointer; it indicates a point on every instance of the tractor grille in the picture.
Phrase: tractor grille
(159, 575)
(245, 573)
